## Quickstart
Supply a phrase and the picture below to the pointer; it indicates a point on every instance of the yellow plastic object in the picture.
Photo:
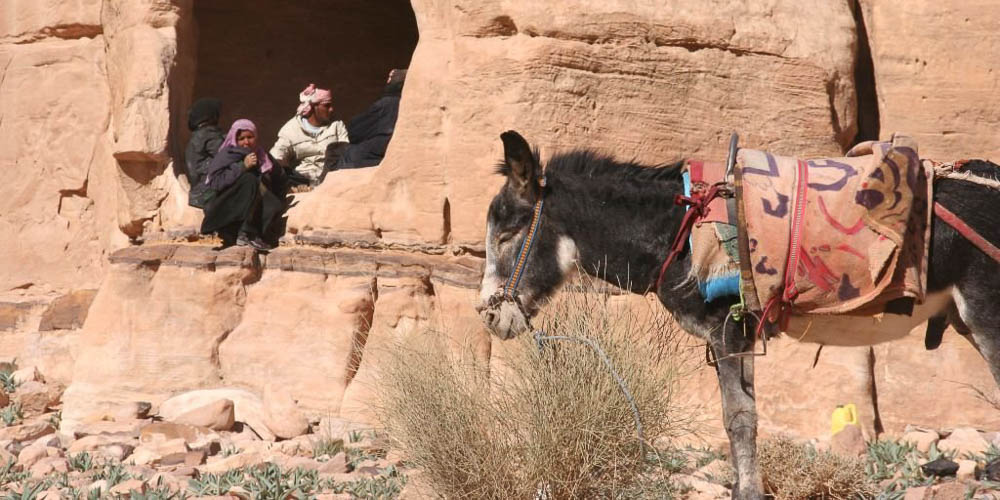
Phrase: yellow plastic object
(842, 416)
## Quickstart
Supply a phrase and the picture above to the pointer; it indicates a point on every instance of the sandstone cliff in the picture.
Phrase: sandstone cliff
(92, 102)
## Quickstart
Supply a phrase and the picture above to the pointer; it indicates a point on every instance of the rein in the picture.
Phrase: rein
(522, 256)
(697, 207)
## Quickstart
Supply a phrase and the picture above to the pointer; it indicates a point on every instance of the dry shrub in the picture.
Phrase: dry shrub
(794, 471)
(550, 421)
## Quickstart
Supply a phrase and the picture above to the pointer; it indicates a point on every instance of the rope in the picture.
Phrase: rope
(948, 171)
(540, 339)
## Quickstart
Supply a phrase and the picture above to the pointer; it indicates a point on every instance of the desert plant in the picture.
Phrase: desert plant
(385, 486)
(210, 484)
(112, 473)
(897, 464)
(81, 462)
(11, 414)
(796, 471)
(327, 447)
(7, 382)
(549, 420)
(9, 474)
(27, 492)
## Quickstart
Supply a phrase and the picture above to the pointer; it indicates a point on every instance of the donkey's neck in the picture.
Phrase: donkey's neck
(622, 222)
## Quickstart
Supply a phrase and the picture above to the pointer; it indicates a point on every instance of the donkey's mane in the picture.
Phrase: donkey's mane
(600, 166)
(595, 165)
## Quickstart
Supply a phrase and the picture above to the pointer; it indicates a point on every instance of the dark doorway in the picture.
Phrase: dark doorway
(257, 55)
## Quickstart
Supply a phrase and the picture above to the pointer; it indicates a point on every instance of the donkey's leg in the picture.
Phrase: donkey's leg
(739, 408)
(978, 301)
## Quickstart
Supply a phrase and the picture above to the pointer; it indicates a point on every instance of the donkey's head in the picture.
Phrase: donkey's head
(528, 253)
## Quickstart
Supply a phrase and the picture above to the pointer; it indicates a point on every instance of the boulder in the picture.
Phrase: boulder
(964, 442)
(952, 490)
(128, 486)
(232, 462)
(27, 374)
(91, 443)
(30, 455)
(121, 428)
(35, 397)
(218, 415)
(283, 416)
(116, 452)
(49, 465)
(966, 470)
(26, 431)
(247, 407)
(849, 442)
(193, 436)
(153, 453)
(922, 440)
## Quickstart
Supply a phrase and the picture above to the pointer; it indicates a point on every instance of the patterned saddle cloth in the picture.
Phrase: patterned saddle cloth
(826, 236)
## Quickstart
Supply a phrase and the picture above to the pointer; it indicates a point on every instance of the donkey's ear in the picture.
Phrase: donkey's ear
(519, 164)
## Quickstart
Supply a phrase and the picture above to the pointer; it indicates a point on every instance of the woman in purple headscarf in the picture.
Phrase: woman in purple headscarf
(249, 189)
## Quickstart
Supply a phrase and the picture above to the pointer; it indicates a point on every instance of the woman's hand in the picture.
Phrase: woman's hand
(250, 161)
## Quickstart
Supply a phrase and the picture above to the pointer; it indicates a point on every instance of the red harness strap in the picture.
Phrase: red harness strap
(697, 208)
(780, 306)
(966, 231)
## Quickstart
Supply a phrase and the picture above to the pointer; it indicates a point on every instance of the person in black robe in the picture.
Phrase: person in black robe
(371, 131)
(206, 138)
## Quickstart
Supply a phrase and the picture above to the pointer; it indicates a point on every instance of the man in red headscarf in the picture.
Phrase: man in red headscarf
(303, 140)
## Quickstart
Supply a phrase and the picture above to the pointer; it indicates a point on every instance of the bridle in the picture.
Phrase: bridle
(522, 255)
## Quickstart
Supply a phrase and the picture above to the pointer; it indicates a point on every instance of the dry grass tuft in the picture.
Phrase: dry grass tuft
(552, 421)
(794, 471)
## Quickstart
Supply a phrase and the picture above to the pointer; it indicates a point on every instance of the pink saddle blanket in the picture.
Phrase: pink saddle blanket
(829, 235)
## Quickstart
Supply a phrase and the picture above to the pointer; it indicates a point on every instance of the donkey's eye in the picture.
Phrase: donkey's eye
(506, 236)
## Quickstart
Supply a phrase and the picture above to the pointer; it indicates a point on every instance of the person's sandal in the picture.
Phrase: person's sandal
(260, 245)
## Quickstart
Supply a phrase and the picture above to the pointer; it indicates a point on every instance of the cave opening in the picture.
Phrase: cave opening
(257, 55)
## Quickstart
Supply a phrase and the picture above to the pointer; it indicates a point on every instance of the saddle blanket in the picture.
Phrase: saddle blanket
(826, 236)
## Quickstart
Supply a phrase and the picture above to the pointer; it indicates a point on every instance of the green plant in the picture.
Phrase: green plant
(553, 419)
(269, 481)
(9, 475)
(355, 436)
(81, 462)
(11, 414)
(229, 450)
(327, 447)
(55, 419)
(158, 493)
(797, 471)
(210, 484)
(27, 492)
(112, 473)
(898, 463)
(385, 486)
(8, 382)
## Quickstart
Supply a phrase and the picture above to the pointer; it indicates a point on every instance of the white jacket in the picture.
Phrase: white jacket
(307, 153)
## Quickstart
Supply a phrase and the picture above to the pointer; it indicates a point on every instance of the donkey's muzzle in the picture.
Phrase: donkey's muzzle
(504, 316)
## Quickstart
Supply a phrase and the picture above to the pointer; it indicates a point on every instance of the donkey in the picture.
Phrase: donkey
(616, 220)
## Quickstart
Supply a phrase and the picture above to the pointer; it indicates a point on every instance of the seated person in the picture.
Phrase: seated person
(248, 188)
(370, 131)
(206, 138)
(303, 141)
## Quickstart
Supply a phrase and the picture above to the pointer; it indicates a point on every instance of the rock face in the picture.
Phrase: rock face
(93, 96)
(641, 79)
(918, 52)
